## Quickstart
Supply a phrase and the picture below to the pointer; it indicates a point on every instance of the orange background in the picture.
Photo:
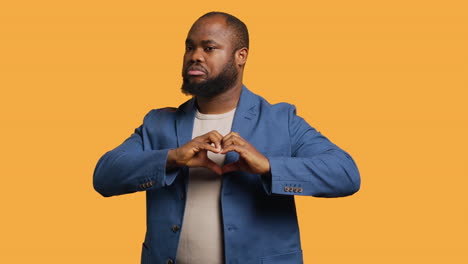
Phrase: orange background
(385, 80)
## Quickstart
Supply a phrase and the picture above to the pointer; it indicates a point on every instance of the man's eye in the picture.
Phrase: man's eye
(209, 48)
(188, 48)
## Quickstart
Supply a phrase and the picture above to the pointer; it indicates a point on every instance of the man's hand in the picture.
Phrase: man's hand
(194, 153)
(250, 160)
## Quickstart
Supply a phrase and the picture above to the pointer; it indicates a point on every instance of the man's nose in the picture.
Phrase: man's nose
(197, 55)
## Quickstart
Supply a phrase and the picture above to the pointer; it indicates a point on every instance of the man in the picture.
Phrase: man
(220, 172)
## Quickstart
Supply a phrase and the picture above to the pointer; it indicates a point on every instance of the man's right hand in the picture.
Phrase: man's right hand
(194, 153)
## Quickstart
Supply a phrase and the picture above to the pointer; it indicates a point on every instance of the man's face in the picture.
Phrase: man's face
(209, 67)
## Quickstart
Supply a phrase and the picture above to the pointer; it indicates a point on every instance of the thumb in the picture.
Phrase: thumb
(231, 167)
(213, 166)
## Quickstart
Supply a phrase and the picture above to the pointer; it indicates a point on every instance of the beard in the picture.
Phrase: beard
(213, 86)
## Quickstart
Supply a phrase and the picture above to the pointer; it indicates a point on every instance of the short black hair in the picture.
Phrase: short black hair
(241, 34)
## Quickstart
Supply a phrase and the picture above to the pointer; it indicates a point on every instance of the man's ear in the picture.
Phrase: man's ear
(241, 56)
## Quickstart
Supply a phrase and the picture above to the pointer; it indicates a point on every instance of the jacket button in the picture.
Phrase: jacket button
(286, 188)
(175, 228)
(169, 261)
(299, 189)
(295, 189)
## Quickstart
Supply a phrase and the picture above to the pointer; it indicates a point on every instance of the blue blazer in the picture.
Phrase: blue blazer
(258, 211)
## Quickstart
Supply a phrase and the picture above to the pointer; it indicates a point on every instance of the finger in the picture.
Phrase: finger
(214, 137)
(206, 146)
(233, 140)
(231, 135)
(231, 167)
(205, 162)
(208, 135)
(236, 148)
(213, 166)
(215, 132)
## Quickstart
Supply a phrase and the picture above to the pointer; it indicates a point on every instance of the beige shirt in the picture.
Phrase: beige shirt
(201, 240)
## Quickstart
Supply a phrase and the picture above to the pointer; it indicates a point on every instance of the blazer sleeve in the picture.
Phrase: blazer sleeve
(316, 167)
(129, 168)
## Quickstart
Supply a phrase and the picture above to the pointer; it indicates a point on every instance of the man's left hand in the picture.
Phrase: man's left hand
(250, 160)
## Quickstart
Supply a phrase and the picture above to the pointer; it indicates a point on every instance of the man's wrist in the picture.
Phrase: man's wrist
(171, 162)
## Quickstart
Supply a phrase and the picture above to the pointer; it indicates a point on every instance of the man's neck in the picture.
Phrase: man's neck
(221, 103)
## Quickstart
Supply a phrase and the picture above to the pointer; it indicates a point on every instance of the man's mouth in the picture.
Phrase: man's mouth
(196, 71)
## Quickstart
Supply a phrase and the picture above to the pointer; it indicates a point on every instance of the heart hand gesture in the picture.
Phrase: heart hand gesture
(194, 154)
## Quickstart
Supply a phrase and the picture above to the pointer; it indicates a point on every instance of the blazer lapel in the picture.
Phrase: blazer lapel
(184, 123)
(184, 128)
(244, 119)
